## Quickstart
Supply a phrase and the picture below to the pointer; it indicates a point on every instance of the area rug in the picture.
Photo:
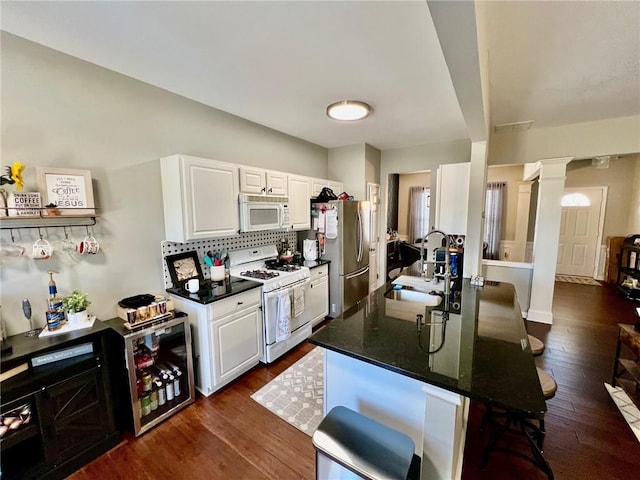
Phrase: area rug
(627, 408)
(574, 279)
(297, 394)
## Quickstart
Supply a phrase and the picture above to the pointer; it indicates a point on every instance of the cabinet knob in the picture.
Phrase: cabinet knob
(240, 303)
(264, 189)
(270, 190)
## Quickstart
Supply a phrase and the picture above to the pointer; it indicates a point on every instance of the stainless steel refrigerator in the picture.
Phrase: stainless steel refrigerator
(348, 251)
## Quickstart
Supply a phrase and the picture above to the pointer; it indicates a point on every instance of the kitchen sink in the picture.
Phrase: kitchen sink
(415, 296)
(419, 283)
(407, 303)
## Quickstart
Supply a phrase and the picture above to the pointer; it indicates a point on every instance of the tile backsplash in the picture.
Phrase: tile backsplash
(240, 241)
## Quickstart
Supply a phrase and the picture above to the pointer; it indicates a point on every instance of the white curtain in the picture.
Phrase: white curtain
(418, 224)
(493, 219)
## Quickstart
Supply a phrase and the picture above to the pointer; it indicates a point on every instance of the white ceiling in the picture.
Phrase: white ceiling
(280, 64)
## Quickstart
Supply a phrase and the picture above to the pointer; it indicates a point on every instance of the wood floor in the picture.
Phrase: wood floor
(229, 436)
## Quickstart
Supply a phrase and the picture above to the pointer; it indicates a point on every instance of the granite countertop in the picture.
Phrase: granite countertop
(214, 291)
(484, 355)
(315, 263)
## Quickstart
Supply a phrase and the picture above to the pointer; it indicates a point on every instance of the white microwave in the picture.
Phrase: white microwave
(263, 213)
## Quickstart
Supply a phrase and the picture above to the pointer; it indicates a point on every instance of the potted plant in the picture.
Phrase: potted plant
(75, 306)
(52, 209)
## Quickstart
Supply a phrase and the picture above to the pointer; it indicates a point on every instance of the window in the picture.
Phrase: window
(575, 200)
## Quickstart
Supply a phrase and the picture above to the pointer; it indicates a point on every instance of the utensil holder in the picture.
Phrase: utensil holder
(217, 273)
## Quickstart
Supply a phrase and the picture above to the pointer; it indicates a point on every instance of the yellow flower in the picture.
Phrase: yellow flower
(16, 174)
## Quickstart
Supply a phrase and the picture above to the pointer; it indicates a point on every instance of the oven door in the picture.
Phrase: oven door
(261, 216)
(271, 309)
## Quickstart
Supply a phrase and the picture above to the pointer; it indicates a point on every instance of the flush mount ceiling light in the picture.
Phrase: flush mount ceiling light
(348, 110)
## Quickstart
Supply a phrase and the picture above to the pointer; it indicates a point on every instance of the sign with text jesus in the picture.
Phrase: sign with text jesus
(69, 190)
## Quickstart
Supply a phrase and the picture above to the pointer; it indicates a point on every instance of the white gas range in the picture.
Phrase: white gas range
(278, 281)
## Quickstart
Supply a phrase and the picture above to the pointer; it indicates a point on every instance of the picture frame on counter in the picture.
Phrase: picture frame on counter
(183, 267)
(70, 190)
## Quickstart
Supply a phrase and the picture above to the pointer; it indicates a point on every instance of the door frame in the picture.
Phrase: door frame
(604, 192)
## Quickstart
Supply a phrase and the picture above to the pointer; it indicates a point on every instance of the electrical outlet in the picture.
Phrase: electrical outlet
(333, 308)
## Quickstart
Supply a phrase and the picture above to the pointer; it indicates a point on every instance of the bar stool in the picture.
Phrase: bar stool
(537, 345)
(523, 424)
(346, 441)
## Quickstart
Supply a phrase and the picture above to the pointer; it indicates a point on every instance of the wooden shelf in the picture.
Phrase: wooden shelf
(36, 221)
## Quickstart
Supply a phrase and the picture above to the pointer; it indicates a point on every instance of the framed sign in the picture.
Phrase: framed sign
(68, 189)
(184, 266)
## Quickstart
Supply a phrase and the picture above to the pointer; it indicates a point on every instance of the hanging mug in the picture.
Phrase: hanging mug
(42, 249)
(89, 246)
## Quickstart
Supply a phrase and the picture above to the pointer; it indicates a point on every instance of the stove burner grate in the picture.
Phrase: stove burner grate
(261, 274)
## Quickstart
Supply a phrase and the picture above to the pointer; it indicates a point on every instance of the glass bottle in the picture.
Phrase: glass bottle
(55, 315)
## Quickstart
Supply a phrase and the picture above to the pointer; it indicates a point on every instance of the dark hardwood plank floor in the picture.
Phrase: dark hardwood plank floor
(229, 436)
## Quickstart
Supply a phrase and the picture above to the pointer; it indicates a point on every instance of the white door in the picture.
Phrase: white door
(580, 230)
(373, 195)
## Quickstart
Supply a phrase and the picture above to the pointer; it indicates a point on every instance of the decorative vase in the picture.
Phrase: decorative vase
(78, 318)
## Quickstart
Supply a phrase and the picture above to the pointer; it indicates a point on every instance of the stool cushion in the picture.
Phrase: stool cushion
(537, 345)
(548, 384)
(364, 446)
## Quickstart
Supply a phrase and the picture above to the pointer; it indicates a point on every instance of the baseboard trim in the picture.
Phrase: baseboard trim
(540, 316)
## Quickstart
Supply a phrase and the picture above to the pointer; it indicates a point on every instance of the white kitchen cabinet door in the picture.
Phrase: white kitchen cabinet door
(277, 184)
(337, 187)
(258, 181)
(236, 343)
(317, 184)
(452, 198)
(299, 206)
(253, 180)
(318, 298)
(200, 198)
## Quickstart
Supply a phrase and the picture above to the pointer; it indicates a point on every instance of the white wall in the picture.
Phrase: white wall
(347, 165)
(60, 111)
(614, 136)
(619, 177)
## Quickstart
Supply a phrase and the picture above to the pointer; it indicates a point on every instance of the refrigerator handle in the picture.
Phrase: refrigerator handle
(359, 229)
(357, 273)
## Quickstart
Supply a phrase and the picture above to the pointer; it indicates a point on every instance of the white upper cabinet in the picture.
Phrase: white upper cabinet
(317, 184)
(200, 198)
(299, 196)
(337, 187)
(263, 182)
(452, 198)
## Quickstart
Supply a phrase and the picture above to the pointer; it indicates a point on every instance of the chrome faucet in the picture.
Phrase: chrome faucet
(447, 265)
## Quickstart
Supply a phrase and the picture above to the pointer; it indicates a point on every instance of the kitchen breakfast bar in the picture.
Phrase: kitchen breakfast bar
(415, 367)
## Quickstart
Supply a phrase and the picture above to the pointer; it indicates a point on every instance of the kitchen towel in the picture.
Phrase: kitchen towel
(298, 300)
(283, 326)
(332, 224)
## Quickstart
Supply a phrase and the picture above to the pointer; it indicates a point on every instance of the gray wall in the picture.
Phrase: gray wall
(63, 112)
(619, 177)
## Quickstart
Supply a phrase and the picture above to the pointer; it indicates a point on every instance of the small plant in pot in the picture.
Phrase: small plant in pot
(75, 306)
(52, 209)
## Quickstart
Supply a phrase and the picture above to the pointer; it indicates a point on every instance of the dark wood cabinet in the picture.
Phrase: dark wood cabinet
(629, 268)
(71, 418)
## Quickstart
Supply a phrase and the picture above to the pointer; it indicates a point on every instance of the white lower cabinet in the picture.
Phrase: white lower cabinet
(227, 337)
(318, 302)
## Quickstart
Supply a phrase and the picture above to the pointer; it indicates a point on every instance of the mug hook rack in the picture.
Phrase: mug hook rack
(11, 223)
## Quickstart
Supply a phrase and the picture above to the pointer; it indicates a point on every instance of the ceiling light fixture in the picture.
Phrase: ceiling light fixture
(348, 110)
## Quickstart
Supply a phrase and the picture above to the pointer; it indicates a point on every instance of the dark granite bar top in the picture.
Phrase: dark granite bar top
(213, 291)
(485, 354)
